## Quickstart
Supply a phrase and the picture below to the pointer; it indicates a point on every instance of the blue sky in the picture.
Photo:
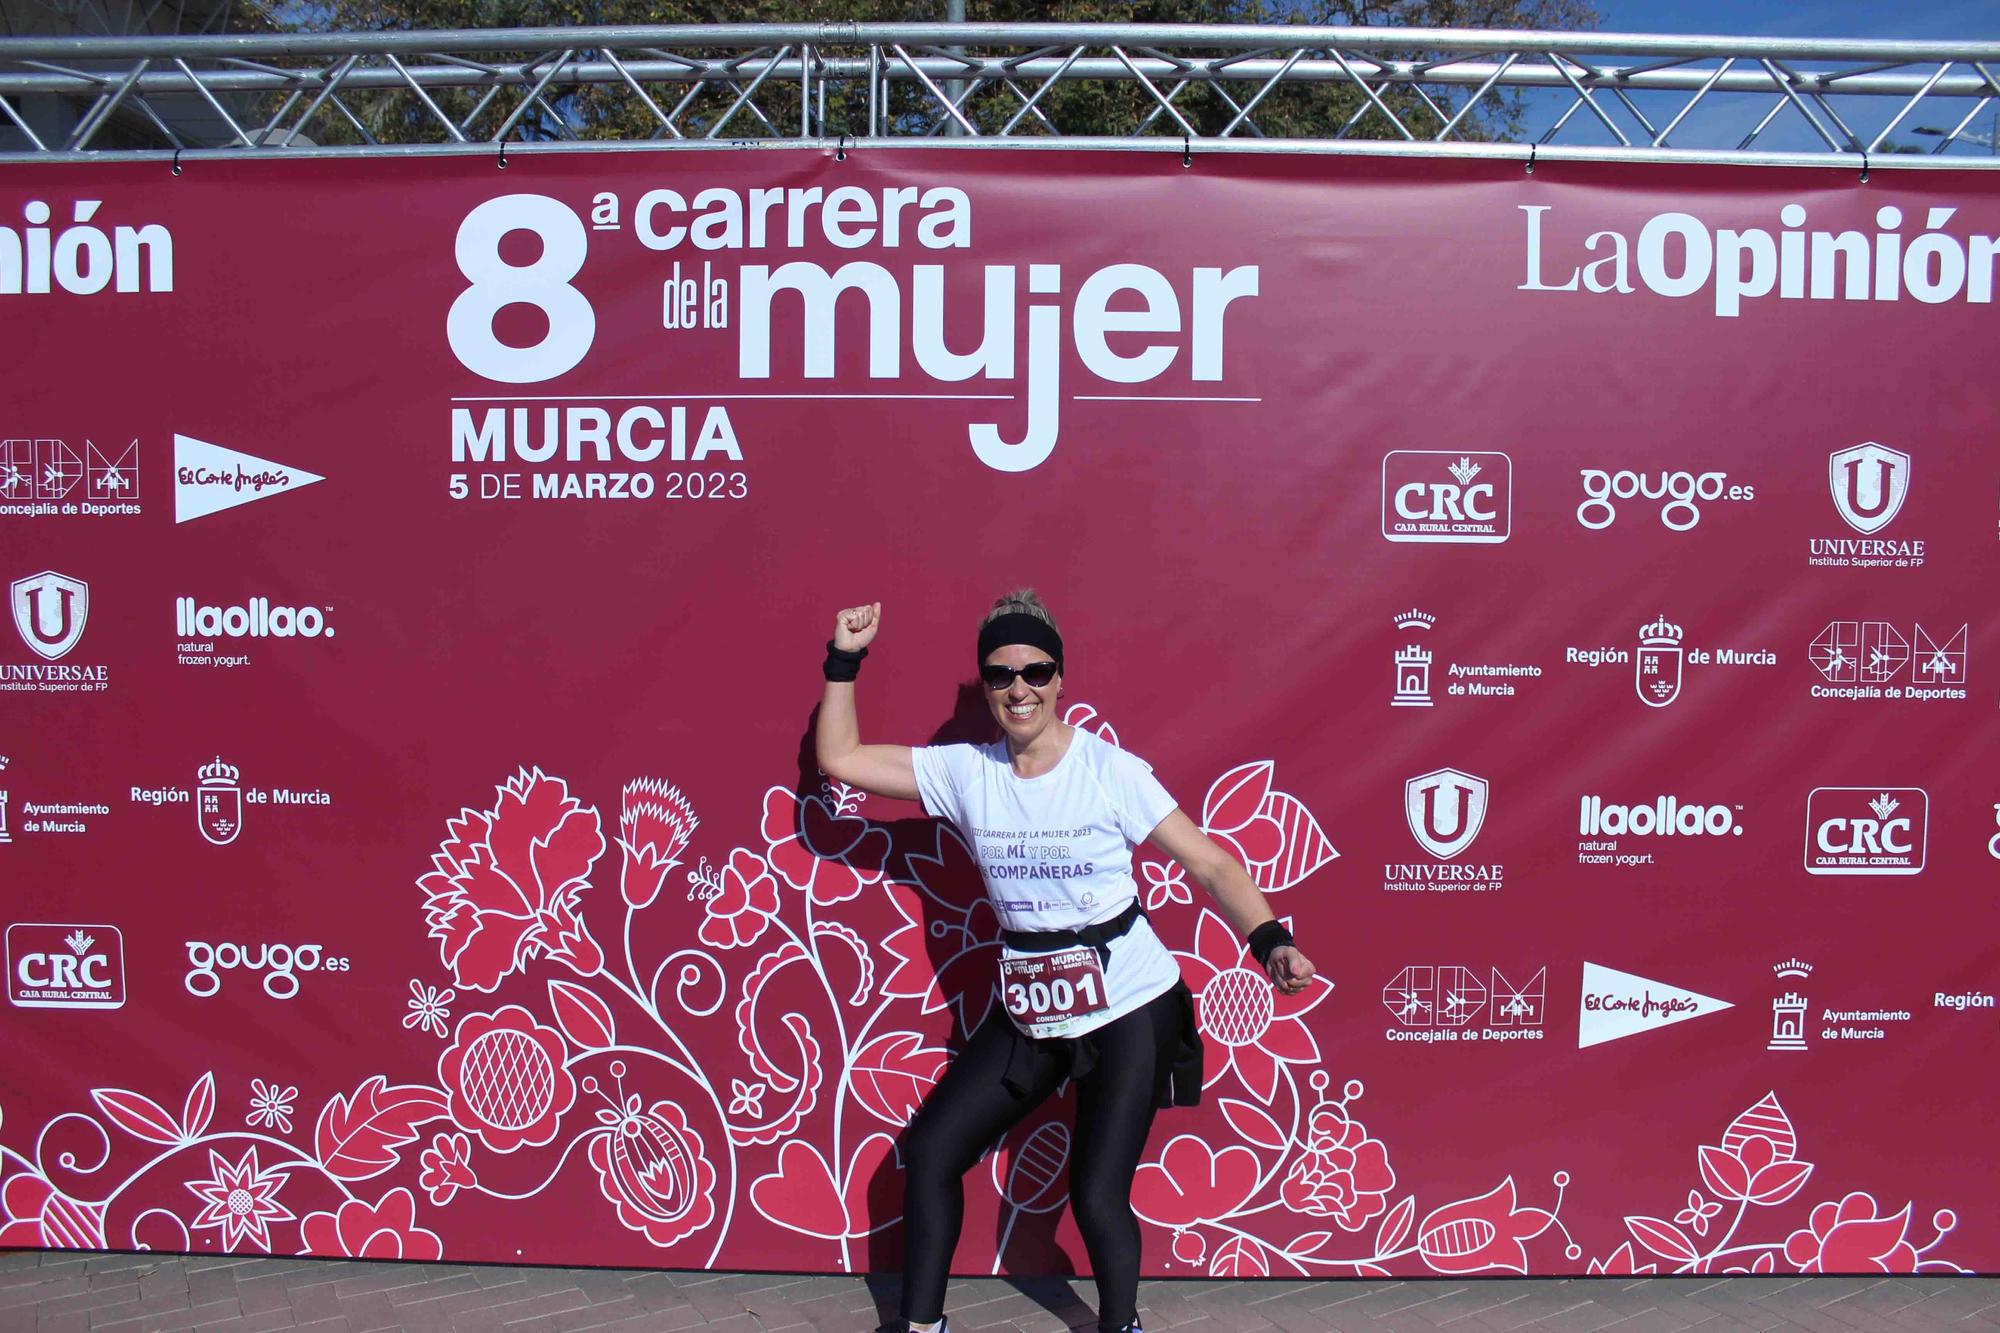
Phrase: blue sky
(1719, 122)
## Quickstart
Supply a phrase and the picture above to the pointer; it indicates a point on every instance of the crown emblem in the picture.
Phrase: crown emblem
(1415, 619)
(1792, 967)
(79, 943)
(218, 774)
(1660, 634)
(1884, 805)
(1464, 470)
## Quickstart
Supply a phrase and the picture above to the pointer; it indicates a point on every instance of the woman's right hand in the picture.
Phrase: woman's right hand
(854, 628)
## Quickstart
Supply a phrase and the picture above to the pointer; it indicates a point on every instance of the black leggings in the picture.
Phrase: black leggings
(971, 1108)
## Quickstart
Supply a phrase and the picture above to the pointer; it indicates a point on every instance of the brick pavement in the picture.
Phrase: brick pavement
(60, 1292)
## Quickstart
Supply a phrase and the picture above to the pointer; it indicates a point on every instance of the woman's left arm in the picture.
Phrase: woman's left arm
(1242, 903)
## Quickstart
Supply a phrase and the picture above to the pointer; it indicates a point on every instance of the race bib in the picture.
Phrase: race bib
(1050, 994)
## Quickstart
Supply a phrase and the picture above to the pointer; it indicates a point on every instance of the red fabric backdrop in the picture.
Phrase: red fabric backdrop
(418, 854)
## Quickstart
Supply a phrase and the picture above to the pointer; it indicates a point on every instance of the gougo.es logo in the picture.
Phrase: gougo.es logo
(281, 965)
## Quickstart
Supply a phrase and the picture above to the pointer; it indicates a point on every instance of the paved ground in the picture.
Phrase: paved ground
(59, 1293)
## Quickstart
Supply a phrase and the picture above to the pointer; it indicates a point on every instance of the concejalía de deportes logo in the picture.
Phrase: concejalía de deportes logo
(1165, 324)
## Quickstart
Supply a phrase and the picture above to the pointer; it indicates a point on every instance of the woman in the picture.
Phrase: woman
(1088, 991)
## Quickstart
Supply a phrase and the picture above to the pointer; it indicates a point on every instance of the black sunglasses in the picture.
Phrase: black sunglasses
(1036, 674)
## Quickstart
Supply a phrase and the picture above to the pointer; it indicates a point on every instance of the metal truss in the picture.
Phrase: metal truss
(1173, 88)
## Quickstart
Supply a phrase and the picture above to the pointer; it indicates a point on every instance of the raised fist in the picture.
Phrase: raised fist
(854, 628)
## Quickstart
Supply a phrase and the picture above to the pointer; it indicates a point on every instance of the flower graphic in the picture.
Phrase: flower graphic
(946, 947)
(1850, 1237)
(1757, 1159)
(1166, 882)
(742, 899)
(1697, 1213)
(654, 826)
(507, 883)
(1624, 1263)
(1191, 1183)
(39, 1216)
(430, 1008)
(1343, 1174)
(447, 1167)
(504, 1079)
(746, 1098)
(650, 1164)
(820, 847)
(240, 1200)
(271, 1105)
(1482, 1233)
(1255, 1026)
(386, 1230)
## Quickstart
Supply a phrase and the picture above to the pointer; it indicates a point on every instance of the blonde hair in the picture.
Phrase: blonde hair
(1022, 601)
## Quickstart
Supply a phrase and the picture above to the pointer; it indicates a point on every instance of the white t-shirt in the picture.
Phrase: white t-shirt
(1056, 850)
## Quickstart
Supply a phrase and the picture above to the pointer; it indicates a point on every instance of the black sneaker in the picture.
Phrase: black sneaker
(1131, 1326)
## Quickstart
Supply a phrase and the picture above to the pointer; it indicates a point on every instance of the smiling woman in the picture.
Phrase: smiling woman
(1089, 994)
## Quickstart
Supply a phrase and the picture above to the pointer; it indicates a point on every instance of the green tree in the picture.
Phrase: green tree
(1078, 107)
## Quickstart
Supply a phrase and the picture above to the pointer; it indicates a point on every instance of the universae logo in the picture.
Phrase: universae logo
(49, 611)
(1869, 484)
(1446, 809)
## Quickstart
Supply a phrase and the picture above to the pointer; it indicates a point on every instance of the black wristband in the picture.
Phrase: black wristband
(1267, 939)
(842, 663)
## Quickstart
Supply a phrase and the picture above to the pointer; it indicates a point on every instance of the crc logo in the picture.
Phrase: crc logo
(1866, 830)
(1445, 809)
(65, 967)
(1436, 495)
(1869, 483)
(1679, 490)
(49, 611)
(280, 964)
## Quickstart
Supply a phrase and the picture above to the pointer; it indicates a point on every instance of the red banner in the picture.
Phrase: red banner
(1569, 595)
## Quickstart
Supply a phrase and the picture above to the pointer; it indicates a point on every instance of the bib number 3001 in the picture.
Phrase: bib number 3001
(1046, 994)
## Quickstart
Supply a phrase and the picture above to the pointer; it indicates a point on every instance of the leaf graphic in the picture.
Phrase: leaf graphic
(1723, 1173)
(1233, 798)
(893, 1074)
(1307, 1245)
(137, 1115)
(1396, 1226)
(1253, 1124)
(358, 1138)
(1779, 1181)
(1034, 1168)
(1768, 1119)
(1662, 1238)
(1239, 1256)
(583, 1016)
(1305, 845)
(199, 1108)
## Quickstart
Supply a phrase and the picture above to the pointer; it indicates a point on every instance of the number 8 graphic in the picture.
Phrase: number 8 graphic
(544, 284)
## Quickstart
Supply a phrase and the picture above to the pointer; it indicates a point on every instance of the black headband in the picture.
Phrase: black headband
(1019, 627)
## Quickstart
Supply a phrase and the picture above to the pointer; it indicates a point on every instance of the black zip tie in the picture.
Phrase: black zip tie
(1531, 159)
(503, 155)
(1864, 166)
(840, 149)
(1187, 151)
(177, 161)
